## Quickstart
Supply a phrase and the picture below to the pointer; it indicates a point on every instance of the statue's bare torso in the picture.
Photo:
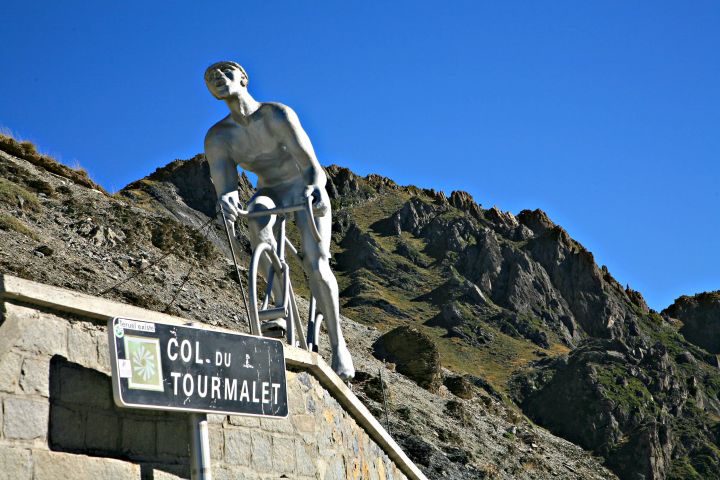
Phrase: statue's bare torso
(258, 147)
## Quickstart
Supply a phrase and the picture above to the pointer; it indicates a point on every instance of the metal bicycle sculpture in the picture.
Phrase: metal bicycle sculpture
(285, 310)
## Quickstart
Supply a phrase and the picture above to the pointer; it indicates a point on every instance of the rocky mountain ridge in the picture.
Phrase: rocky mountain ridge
(626, 385)
(700, 316)
(521, 319)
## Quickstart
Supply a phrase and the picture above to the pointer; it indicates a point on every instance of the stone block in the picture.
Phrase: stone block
(335, 468)
(296, 403)
(216, 419)
(82, 346)
(277, 425)
(15, 463)
(67, 428)
(311, 404)
(25, 418)
(238, 447)
(296, 397)
(382, 470)
(138, 437)
(54, 466)
(21, 313)
(352, 440)
(242, 421)
(283, 455)
(103, 352)
(35, 376)
(173, 439)
(261, 451)
(304, 423)
(355, 466)
(372, 473)
(305, 380)
(10, 368)
(43, 336)
(217, 442)
(306, 458)
(103, 433)
(225, 473)
(222, 473)
(160, 474)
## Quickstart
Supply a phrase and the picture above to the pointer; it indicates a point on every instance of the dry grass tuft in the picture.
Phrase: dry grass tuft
(27, 151)
(15, 195)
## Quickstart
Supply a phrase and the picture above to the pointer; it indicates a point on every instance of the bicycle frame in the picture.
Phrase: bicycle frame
(286, 309)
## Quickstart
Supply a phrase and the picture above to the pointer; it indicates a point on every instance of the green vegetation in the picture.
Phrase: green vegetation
(11, 223)
(682, 469)
(624, 389)
(496, 362)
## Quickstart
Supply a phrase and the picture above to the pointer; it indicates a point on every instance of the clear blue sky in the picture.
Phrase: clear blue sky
(604, 114)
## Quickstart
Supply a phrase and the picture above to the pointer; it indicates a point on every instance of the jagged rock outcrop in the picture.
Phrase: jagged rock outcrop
(595, 305)
(460, 386)
(414, 355)
(634, 402)
(536, 220)
(700, 315)
(465, 202)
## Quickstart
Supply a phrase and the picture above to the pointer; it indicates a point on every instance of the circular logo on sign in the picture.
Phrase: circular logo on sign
(119, 331)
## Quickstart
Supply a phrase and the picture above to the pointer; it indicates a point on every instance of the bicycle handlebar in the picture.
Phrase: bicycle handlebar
(307, 206)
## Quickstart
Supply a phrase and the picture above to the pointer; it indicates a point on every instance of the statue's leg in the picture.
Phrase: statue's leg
(324, 288)
(261, 230)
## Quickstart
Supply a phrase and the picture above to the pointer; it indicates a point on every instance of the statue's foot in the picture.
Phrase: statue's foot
(342, 363)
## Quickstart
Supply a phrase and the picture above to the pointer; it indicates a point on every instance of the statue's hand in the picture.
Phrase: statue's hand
(319, 207)
(230, 204)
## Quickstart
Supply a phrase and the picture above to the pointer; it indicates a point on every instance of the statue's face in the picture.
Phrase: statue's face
(225, 81)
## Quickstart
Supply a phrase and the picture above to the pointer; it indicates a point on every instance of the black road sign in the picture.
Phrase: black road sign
(169, 367)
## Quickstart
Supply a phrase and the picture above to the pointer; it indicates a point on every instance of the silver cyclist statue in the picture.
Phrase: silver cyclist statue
(267, 139)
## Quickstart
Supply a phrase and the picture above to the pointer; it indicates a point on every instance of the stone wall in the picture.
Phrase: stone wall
(59, 420)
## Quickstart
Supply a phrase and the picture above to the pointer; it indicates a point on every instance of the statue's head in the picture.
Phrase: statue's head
(224, 79)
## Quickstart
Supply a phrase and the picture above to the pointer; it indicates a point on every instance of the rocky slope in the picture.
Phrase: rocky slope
(499, 317)
(154, 245)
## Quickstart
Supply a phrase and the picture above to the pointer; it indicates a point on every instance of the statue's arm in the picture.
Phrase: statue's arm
(223, 172)
(299, 146)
